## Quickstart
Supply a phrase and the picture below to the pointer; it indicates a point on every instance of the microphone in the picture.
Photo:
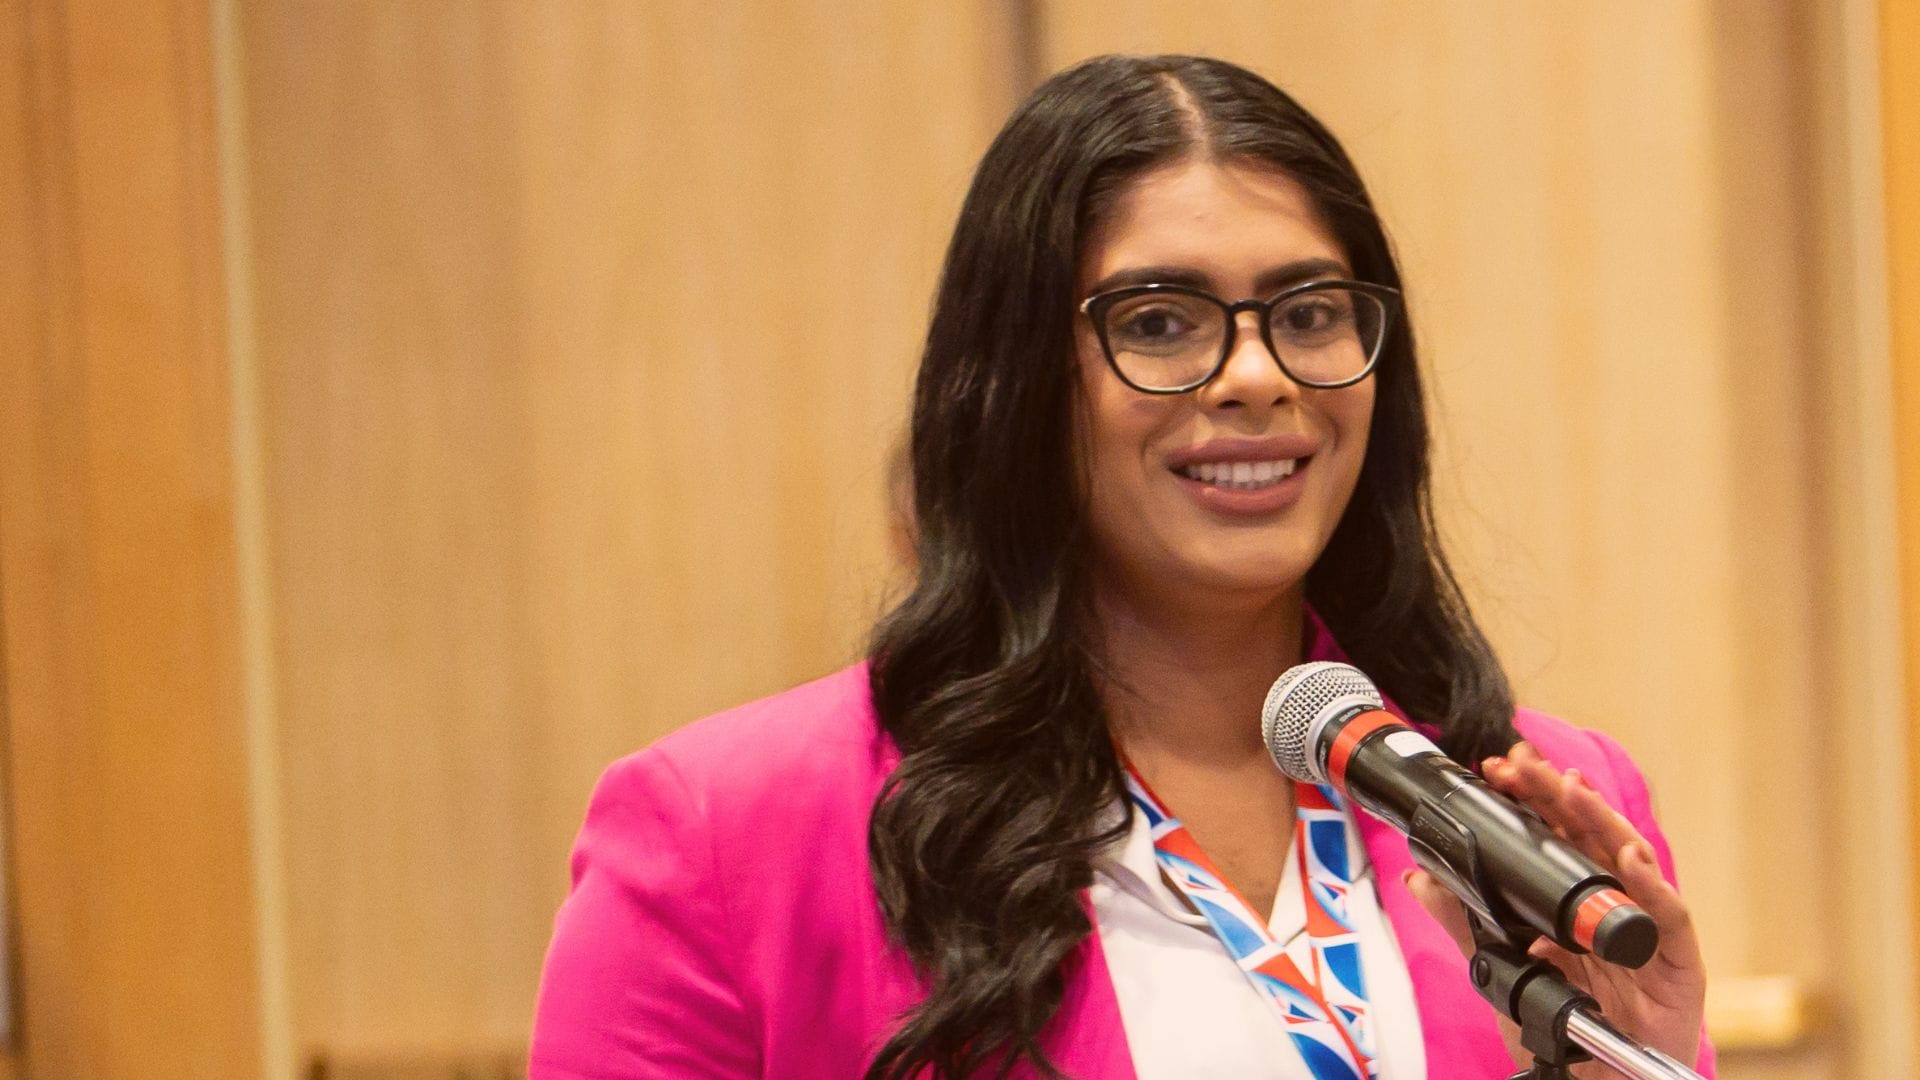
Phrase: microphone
(1324, 723)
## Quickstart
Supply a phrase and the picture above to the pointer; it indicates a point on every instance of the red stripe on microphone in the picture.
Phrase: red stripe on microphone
(1586, 918)
(1357, 728)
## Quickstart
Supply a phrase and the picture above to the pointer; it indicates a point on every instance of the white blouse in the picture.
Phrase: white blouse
(1188, 1009)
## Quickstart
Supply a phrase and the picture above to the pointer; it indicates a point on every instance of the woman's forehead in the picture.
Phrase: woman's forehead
(1228, 222)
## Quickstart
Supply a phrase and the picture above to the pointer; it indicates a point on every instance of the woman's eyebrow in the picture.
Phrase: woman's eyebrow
(1151, 275)
(1294, 273)
(1269, 282)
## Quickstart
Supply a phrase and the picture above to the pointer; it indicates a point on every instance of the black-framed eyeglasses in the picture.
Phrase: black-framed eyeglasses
(1169, 339)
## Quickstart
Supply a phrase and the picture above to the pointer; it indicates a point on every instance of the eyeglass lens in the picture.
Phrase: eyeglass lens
(1163, 341)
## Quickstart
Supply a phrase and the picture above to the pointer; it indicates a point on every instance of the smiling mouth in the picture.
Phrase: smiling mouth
(1241, 475)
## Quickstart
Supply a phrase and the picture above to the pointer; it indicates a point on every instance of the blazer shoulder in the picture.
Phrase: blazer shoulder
(707, 864)
(804, 751)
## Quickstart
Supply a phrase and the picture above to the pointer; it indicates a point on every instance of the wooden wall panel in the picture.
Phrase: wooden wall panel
(1606, 218)
(126, 768)
(1856, 492)
(583, 331)
(1899, 41)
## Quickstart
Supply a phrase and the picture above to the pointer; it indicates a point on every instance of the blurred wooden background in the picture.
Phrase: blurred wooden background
(408, 408)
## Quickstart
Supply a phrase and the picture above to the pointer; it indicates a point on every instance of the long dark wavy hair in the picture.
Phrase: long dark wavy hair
(986, 673)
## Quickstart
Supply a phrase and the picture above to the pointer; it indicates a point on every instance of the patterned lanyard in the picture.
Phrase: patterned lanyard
(1325, 1013)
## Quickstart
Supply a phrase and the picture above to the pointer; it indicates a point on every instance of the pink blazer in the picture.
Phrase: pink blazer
(722, 921)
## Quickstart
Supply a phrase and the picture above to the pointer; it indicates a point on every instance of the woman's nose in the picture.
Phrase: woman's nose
(1251, 376)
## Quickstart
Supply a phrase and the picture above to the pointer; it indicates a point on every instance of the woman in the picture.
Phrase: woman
(1168, 441)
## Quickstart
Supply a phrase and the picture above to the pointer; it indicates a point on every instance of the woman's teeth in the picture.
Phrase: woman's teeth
(1240, 475)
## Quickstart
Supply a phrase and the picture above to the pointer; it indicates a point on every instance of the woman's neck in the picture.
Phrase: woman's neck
(1186, 681)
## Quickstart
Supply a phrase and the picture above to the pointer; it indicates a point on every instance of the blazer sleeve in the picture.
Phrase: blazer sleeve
(638, 983)
(1637, 804)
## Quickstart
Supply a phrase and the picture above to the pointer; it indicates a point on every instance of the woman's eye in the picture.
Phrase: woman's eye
(1309, 316)
(1312, 315)
(1154, 323)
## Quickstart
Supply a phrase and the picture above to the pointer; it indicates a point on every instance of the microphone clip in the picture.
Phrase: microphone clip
(1533, 994)
(1525, 989)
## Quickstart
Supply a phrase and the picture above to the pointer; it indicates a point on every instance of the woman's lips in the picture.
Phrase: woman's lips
(1238, 449)
(1244, 488)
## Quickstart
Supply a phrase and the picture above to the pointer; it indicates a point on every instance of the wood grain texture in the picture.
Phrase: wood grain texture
(1609, 244)
(584, 330)
(1900, 115)
(1865, 781)
(126, 772)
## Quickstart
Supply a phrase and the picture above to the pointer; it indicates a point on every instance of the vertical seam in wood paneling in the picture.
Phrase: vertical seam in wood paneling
(258, 700)
(1897, 135)
(1882, 907)
(1026, 32)
(9, 923)
(32, 313)
(48, 173)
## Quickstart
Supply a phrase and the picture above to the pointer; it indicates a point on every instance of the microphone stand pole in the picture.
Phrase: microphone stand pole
(1559, 1024)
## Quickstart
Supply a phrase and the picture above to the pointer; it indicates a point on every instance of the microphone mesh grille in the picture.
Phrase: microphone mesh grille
(1305, 694)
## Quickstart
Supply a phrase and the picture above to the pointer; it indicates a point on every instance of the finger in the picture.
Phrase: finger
(1530, 779)
(1522, 774)
(1590, 822)
(1445, 907)
(1540, 788)
(1565, 801)
(1679, 947)
(1525, 753)
(1525, 757)
(1552, 952)
(1595, 816)
(1603, 980)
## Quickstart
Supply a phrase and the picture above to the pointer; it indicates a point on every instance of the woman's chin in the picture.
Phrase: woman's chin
(1274, 561)
(1259, 588)
(1246, 570)
(1237, 584)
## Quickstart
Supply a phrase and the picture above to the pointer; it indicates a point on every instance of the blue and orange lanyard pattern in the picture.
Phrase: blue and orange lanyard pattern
(1323, 1006)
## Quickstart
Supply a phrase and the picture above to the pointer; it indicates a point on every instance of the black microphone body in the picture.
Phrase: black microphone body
(1498, 857)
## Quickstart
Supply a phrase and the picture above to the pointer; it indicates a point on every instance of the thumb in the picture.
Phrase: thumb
(1442, 905)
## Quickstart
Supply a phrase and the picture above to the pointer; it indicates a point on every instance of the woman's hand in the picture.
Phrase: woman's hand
(1660, 1003)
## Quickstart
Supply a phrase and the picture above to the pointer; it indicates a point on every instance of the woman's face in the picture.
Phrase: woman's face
(1165, 509)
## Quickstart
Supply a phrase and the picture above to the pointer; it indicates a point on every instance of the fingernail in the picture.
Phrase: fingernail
(1406, 879)
(1645, 851)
